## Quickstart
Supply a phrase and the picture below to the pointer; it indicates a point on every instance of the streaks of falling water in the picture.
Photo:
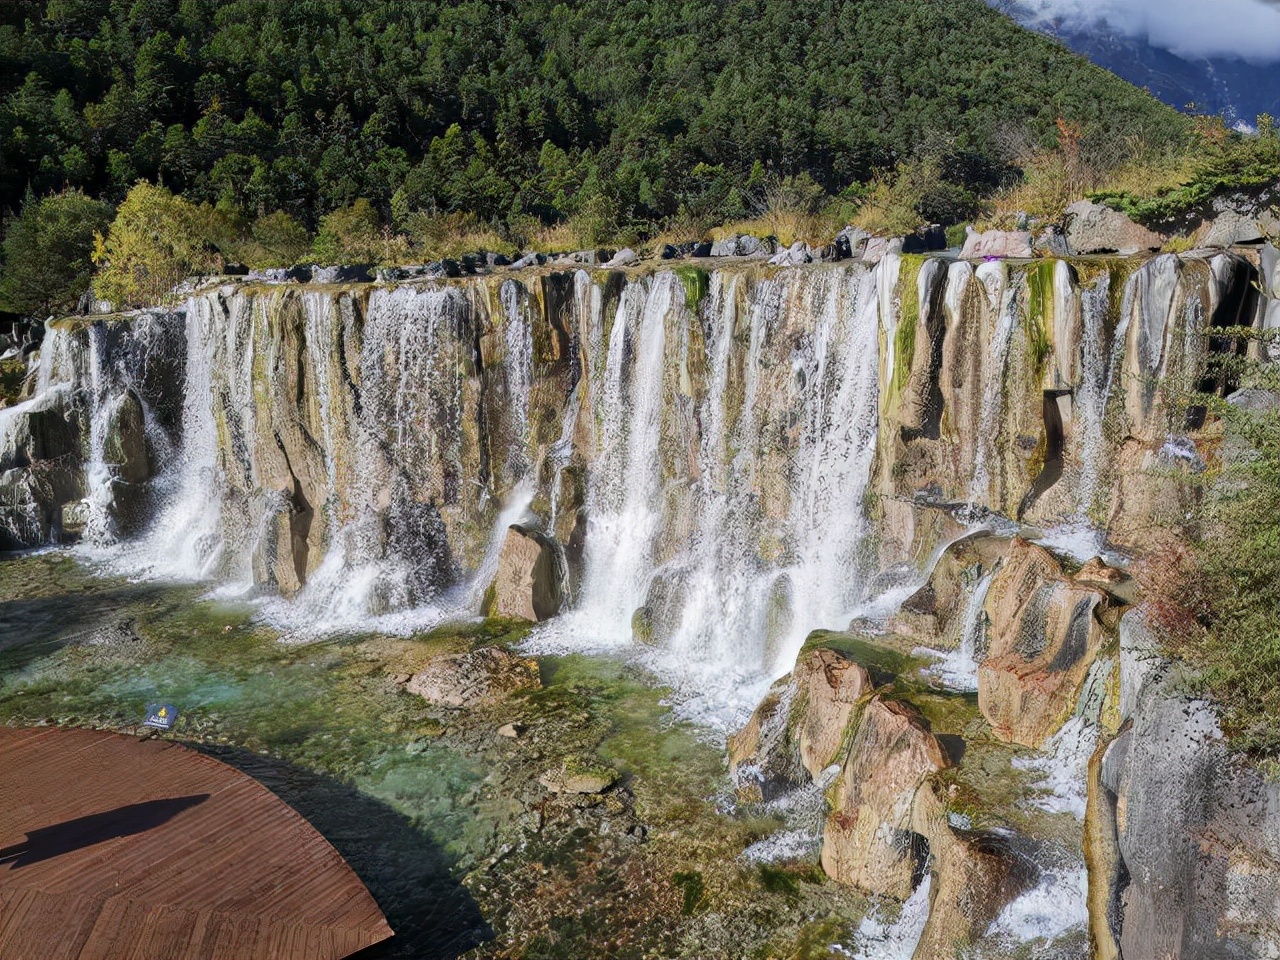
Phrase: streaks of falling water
(958, 669)
(835, 457)
(184, 541)
(735, 615)
(517, 363)
(623, 489)
(1091, 396)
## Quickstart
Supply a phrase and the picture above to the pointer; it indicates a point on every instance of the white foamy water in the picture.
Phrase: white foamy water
(958, 669)
(877, 939)
(1055, 906)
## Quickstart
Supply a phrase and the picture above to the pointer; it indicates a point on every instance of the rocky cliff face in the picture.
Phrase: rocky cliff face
(713, 464)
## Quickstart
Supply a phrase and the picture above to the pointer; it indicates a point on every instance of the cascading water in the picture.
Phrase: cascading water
(518, 365)
(184, 541)
(623, 492)
(958, 669)
(1090, 402)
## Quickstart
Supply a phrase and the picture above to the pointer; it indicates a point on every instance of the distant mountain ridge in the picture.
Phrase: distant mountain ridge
(1233, 88)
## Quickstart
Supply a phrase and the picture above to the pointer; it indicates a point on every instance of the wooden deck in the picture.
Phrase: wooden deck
(116, 848)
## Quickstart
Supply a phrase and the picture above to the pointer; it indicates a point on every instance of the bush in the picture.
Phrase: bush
(154, 243)
(48, 253)
(452, 235)
(273, 240)
(356, 234)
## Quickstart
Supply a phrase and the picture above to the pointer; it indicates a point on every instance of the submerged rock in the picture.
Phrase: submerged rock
(578, 775)
(475, 679)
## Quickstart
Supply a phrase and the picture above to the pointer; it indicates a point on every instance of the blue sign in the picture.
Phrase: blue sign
(162, 716)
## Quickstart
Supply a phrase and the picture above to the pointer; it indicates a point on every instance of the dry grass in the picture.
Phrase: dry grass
(451, 235)
(1054, 179)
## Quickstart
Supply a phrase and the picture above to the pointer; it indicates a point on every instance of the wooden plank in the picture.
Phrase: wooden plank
(118, 847)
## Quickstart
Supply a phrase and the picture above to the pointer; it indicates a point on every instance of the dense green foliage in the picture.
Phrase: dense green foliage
(47, 252)
(153, 243)
(619, 113)
(1224, 162)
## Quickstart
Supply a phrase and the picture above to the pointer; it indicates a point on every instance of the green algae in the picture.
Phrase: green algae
(696, 283)
(1040, 313)
(904, 335)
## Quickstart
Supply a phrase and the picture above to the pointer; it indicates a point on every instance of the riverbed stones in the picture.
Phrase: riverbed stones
(867, 840)
(479, 678)
(579, 775)
(1046, 630)
(529, 584)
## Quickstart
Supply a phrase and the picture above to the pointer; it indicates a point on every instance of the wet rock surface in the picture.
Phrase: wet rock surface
(478, 678)
(1046, 630)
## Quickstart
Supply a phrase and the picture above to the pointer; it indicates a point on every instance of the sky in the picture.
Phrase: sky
(1245, 29)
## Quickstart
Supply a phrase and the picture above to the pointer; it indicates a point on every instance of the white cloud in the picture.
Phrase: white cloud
(1245, 29)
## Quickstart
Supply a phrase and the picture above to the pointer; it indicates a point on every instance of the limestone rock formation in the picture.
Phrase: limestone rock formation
(995, 243)
(1193, 837)
(799, 727)
(1094, 228)
(932, 614)
(867, 840)
(529, 584)
(474, 679)
(977, 872)
(1046, 630)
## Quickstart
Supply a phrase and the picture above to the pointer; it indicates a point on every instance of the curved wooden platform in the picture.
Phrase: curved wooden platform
(117, 848)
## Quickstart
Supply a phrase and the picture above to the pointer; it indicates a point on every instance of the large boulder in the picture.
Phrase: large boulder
(995, 243)
(933, 613)
(474, 679)
(1231, 228)
(1046, 630)
(529, 584)
(867, 840)
(1094, 228)
(124, 445)
(798, 728)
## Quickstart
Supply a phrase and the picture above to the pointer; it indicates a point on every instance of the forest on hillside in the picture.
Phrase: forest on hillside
(629, 112)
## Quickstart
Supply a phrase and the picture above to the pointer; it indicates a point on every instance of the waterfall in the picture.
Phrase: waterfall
(518, 365)
(958, 669)
(96, 473)
(1090, 403)
(184, 541)
(622, 493)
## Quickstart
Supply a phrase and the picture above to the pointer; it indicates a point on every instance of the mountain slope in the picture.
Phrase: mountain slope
(1233, 88)
(634, 111)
